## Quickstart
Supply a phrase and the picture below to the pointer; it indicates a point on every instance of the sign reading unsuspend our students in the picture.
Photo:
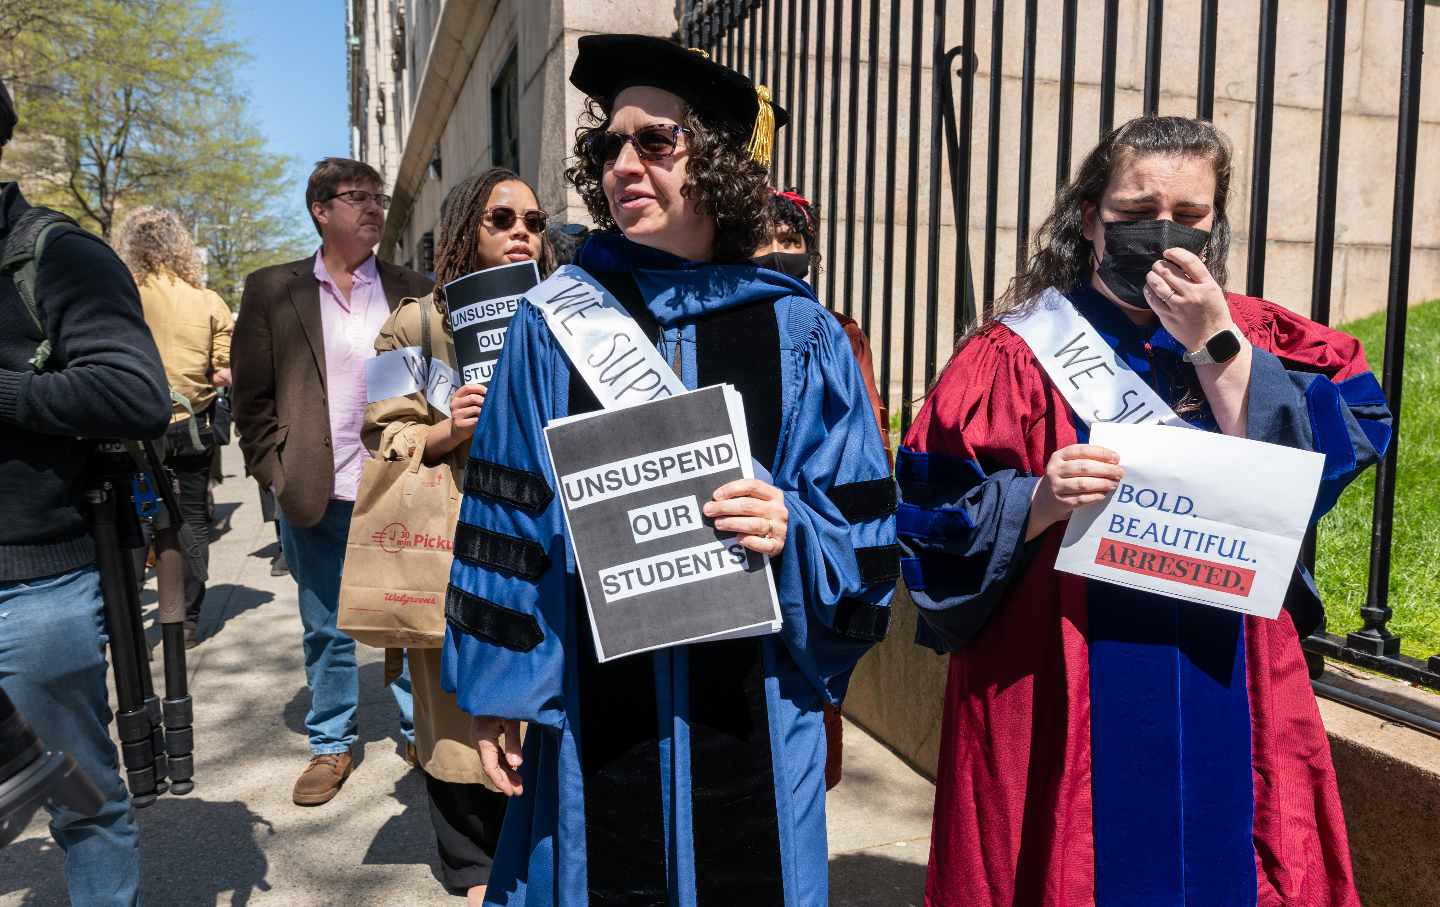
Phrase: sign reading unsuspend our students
(655, 571)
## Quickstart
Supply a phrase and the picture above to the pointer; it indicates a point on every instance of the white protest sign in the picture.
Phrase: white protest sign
(400, 372)
(1090, 376)
(606, 346)
(1199, 516)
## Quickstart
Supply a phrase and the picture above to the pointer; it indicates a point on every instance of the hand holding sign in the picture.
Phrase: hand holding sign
(755, 511)
(667, 521)
(1199, 516)
(1075, 476)
(465, 408)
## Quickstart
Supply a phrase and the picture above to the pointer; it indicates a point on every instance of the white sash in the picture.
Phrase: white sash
(1098, 386)
(606, 346)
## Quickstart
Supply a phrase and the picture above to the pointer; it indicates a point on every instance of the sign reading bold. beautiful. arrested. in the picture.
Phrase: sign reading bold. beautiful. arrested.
(655, 571)
(481, 306)
(1199, 516)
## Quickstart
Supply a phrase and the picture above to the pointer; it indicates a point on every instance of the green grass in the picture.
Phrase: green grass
(1343, 558)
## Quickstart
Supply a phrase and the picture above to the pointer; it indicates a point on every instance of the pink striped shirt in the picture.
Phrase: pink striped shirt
(350, 328)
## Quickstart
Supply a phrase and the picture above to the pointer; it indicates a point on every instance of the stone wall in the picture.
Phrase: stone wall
(1366, 174)
(544, 33)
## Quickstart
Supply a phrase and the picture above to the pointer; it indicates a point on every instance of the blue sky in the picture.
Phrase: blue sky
(295, 76)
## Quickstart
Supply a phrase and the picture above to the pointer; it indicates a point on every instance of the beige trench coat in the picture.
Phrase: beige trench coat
(395, 429)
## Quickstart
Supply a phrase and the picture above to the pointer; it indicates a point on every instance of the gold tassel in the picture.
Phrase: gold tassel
(762, 140)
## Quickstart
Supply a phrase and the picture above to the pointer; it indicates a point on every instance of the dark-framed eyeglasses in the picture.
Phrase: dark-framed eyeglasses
(503, 217)
(653, 143)
(360, 198)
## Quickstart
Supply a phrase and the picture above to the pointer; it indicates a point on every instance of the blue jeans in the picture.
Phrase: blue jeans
(52, 665)
(316, 556)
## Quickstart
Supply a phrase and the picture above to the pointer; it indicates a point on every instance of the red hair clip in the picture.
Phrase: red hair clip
(798, 199)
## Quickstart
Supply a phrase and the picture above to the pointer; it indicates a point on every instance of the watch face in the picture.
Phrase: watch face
(1223, 346)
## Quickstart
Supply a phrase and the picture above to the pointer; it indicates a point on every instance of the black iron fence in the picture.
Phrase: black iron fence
(870, 81)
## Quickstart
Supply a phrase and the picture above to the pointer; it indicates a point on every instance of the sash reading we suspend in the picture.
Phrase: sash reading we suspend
(1098, 386)
(606, 346)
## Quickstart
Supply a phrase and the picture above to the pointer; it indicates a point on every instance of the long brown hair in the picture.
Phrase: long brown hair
(462, 215)
(1062, 256)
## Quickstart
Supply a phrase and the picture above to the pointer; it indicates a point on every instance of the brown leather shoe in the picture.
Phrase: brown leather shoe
(322, 778)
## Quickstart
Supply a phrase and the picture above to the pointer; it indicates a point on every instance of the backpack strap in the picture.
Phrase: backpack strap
(427, 349)
(184, 403)
(20, 259)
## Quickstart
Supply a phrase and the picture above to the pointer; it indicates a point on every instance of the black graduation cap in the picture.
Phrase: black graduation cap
(608, 64)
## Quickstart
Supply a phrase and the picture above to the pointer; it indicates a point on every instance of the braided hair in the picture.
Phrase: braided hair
(462, 216)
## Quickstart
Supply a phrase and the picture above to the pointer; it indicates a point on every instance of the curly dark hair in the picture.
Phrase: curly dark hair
(803, 221)
(722, 178)
(1062, 255)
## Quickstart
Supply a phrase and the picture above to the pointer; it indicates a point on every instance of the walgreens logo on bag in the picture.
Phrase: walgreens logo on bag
(405, 598)
(397, 537)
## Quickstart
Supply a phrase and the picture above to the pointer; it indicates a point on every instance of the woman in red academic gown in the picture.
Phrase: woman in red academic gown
(1102, 744)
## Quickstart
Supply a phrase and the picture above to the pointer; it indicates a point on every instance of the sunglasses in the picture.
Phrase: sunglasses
(360, 198)
(652, 143)
(503, 217)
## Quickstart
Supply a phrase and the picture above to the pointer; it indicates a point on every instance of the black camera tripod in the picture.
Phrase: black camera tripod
(156, 738)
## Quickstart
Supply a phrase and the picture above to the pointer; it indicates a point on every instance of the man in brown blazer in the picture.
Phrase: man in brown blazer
(304, 333)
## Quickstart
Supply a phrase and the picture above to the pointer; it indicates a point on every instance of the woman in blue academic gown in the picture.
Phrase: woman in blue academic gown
(695, 774)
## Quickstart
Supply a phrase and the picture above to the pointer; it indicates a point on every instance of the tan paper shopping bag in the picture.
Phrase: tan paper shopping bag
(397, 558)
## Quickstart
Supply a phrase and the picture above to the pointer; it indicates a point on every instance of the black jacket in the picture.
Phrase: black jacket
(103, 379)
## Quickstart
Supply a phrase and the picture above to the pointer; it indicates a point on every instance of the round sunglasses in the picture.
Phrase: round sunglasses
(653, 143)
(503, 217)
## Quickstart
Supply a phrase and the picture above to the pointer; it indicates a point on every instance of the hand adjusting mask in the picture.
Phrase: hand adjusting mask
(1133, 246)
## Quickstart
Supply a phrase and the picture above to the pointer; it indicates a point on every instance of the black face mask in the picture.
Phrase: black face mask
(1133, 246)
(795, 264)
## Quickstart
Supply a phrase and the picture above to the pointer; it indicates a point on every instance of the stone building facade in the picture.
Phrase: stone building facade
(443, 89)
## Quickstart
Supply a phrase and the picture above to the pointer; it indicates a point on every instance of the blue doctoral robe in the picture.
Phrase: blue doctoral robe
(699, 775)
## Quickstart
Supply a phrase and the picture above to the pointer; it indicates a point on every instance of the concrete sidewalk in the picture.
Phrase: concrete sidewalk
(239, 840)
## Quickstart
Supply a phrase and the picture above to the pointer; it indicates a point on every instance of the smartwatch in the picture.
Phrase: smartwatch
(1219, 349)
